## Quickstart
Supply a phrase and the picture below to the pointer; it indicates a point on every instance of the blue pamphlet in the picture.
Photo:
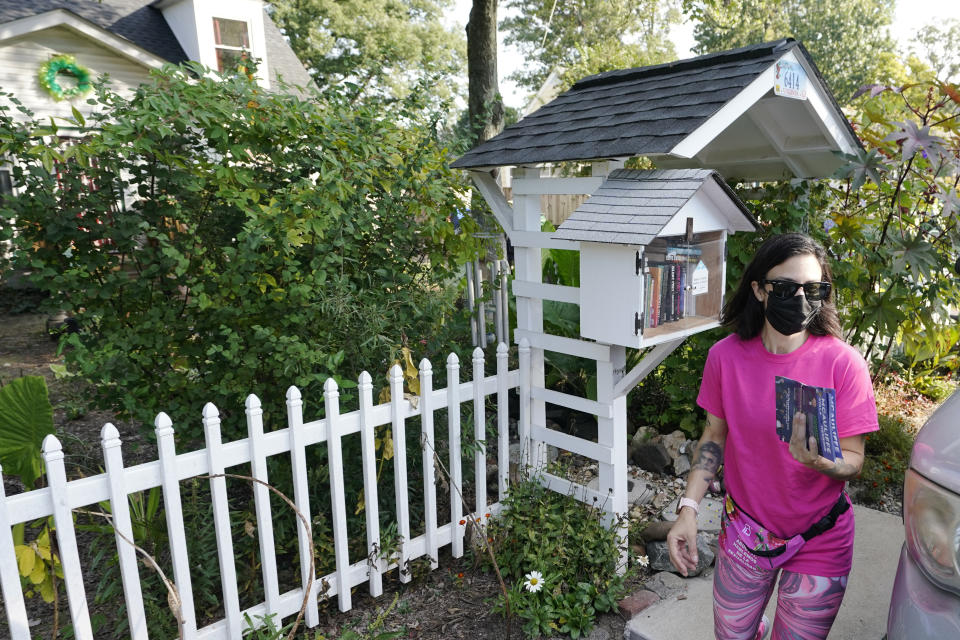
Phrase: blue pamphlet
(818, 404)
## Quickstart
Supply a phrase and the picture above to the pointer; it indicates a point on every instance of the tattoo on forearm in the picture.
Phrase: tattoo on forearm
(708, 458)
(843, 470)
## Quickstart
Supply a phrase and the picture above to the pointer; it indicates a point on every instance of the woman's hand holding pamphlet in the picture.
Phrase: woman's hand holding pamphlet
(818, 404)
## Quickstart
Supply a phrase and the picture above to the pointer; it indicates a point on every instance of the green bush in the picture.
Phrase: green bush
(569, 545)
(937, 389)
(213, 240)
(887, 456)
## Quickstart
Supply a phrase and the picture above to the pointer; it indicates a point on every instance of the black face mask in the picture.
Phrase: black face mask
(791, 315)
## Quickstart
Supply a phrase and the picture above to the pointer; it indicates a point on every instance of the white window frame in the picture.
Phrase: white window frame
(227, 47)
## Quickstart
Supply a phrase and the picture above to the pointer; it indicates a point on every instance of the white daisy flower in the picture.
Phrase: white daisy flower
(644, 561)
(534, 581)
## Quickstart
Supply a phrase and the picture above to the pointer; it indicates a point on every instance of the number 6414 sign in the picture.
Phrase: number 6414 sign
(790, 80)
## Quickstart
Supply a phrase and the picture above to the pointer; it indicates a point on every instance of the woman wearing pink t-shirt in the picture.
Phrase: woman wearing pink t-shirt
(786, 514)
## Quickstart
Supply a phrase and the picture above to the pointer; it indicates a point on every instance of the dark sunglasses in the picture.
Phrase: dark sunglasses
(785, 289)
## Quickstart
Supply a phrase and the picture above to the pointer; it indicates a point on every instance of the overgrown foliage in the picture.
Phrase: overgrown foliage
(893, 227)
(213, 240)
(573, 552)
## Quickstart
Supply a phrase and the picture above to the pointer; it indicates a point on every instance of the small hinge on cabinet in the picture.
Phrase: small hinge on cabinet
(641, 263)
(637, 324)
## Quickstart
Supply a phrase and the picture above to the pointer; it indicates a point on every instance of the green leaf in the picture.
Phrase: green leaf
(26, 559)
(26, 418)
(78, 116)
(916, 253)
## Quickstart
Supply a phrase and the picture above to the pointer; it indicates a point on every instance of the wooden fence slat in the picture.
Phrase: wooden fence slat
(500, 281)
(456, 473)
(471, 302)
(331, 399)
(481, 304)
(503, 422)
(176, 533)
(480, 436)
(429, 475)
(400, 470)
(66, 540)
(559, 344)
(571, 443)
(261, 503)
(221, 521)
(505, 298)
(370, 491)
(10, 576)
(523, 428)
(577, 403)
(301, 497)
(123, 531)
(542, 291)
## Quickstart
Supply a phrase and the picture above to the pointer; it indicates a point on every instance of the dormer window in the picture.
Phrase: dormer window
(232, 41)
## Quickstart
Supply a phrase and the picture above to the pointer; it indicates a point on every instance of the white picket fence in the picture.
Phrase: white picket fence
(60, 497)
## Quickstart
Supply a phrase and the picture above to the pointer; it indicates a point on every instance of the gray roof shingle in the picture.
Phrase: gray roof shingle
(633, 206)
(631, 112)
(144, 25)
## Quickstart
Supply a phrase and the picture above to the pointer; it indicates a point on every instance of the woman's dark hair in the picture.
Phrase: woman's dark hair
(743, 313)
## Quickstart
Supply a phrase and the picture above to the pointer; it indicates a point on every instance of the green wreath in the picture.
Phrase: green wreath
(58, 64)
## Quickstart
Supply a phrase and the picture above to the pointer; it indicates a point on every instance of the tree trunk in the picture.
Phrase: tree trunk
(484, 103)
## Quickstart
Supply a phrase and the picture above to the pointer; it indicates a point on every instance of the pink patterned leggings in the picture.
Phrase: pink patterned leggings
(806, 605)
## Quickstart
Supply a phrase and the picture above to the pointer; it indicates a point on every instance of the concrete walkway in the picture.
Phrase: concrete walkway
(863, 615)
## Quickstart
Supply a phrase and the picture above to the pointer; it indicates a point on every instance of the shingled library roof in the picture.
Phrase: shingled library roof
(652, 111)
(632, 207)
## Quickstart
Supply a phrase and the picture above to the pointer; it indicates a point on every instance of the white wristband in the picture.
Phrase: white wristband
(687, 502)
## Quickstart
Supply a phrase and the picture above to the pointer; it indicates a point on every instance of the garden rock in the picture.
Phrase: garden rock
(656, 531)
(651, 456)
(641, 435)
(674, 443)
(681, 465)
(660, 556)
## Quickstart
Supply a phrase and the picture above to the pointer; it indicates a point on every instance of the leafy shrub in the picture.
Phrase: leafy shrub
(937, 389)
(213, 240)
(887, 456)
(568, 543)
